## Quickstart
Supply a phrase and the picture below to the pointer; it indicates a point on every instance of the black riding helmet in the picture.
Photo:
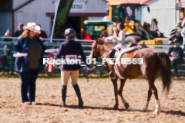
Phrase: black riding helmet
(70, 33)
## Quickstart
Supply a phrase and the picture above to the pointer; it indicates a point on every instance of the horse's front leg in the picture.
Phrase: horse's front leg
(121, 95)
(114, 82)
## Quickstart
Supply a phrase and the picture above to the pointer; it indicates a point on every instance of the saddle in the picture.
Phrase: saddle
(121, 51)
(117, 54)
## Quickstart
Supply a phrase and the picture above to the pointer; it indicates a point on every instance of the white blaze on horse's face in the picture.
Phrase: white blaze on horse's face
(93, 52)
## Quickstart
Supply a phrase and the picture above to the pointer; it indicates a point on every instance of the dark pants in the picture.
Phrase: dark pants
(175, 63)
(28, 80)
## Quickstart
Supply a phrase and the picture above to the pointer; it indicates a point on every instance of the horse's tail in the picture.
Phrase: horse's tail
(165, 67)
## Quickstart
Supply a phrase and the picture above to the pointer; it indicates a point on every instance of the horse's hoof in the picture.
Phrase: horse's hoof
(116, 106)
(144, 109)
(126, 105)
(156, 112)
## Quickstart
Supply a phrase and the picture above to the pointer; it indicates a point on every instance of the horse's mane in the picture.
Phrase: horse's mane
(101, 41)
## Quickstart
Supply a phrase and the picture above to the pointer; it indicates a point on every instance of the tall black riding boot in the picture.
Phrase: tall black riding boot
(77, 90)
(64, 89)
(111, 55)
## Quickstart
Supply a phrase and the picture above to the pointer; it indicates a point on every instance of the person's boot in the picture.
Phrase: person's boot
(111, 55)
(77, 90)
(112, 73)
(64, 89)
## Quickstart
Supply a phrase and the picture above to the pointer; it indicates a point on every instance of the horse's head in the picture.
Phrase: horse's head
(97, 48)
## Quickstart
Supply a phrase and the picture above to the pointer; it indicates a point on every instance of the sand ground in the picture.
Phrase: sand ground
(98, 100)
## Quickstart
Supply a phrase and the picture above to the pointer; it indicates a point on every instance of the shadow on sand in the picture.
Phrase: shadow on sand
(180, 113)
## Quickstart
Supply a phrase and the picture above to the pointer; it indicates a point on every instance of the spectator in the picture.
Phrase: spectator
(28, 66)
(41, 33)
(6, 56)
(176, 57)
(20, 30)
(8, 34)
(154, 30)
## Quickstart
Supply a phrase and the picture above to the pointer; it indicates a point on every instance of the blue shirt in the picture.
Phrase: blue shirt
(22, 46)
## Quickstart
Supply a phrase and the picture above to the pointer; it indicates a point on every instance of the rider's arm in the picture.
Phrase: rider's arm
(121, 37)
(82, 54)
(112, 37)
(60, 52)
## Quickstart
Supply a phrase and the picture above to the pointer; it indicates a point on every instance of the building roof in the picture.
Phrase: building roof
(24, 4)
(111, 2)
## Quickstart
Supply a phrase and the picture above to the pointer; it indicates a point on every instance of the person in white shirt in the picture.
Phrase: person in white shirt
(121, 36)
(120, 40)
(117, 37)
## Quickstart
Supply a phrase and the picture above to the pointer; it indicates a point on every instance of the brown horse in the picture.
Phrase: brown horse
(153, 62)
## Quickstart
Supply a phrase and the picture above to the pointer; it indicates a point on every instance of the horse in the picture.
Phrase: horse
(153, 63)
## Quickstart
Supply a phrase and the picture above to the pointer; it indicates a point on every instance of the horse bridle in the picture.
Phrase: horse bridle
(88, 72)
(94, 49)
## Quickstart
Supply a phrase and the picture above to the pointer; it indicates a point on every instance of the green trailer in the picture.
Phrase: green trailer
(97, 28)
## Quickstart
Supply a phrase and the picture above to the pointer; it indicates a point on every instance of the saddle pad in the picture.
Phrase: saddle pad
(117, 72)
(119, 53)
(123, 50)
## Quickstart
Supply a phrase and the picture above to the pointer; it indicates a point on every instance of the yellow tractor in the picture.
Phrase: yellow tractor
(129, 12)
